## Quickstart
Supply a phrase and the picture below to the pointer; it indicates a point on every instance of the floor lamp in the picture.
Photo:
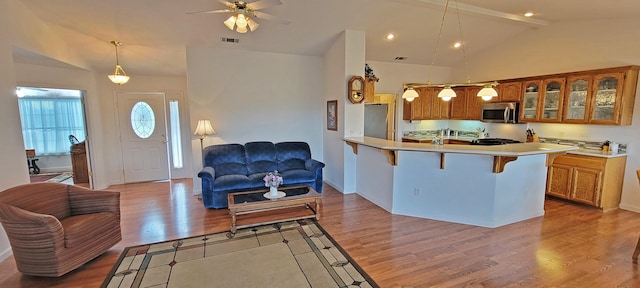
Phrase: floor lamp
(203, 129)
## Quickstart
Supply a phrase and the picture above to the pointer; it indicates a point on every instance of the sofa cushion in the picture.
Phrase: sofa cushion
(76, 227)
(231, 182)
(297, 176)
(257, 179)
(226, 159)
(292, 155)
(261, 157)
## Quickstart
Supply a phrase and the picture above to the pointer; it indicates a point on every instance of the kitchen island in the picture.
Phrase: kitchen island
(486, 186)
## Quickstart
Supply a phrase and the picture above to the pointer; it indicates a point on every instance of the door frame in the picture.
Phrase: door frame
(167, 97)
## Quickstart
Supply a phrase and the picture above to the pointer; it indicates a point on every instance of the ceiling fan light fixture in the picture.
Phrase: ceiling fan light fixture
(447, 93)
(231, 22)
(119, 76)
(253, 25)
(241, 20)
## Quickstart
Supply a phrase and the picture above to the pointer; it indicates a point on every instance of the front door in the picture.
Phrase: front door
(143, 136)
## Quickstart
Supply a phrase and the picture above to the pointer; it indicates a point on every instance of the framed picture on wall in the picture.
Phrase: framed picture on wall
(332, 115)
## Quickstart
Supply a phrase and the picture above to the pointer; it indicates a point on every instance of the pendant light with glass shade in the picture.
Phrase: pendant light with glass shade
(118, 76)
(447, 93)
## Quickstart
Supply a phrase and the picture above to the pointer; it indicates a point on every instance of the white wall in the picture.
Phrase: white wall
(255, 96)
(568, 47)
(334, 89)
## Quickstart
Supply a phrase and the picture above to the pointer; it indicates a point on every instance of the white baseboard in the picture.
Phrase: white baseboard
(340, 189)
(630, 208)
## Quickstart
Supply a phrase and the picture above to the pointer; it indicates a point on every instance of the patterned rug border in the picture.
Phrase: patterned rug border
(125, 251)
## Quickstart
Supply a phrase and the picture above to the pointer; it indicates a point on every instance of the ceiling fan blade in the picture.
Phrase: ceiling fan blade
(270, 17)
(211, 11)
(263, 4)
(229, 4)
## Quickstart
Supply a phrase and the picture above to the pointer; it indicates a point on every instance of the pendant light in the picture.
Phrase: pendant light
(118, 76)
(447, 93)
(410, 94)
(487, 92)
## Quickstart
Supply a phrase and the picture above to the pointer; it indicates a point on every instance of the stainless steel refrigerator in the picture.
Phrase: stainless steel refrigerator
(375, 120)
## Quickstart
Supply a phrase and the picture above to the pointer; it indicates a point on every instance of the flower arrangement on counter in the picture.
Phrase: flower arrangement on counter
(272, 179)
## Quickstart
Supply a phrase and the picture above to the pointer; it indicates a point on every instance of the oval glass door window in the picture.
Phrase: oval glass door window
(143, 120)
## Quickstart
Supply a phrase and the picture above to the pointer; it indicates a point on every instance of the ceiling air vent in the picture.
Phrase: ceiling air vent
(401, 58)
(230, 40)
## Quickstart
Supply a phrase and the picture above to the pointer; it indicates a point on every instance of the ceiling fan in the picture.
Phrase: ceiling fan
(244, 13)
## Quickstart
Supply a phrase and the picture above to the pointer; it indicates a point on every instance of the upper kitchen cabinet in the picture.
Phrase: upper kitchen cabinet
(474, 103)
(578, 99)
(552, 100)
(508, 92)
(459, 104)
(531, 101)
(601, 97)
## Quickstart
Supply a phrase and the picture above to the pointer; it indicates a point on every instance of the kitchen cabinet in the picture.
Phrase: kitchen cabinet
(369, 89)
(530, 101)
(578, 99)
(542, 100)
(509, 91)
(459, 104)
(552, 100)
(474, 103)
(427, 106)
(589, 180)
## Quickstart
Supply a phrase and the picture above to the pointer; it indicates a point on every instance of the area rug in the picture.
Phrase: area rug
(50, 177)
(290, 254)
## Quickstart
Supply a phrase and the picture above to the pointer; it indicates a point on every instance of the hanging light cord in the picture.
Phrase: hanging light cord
(464, 53)
(435, 50)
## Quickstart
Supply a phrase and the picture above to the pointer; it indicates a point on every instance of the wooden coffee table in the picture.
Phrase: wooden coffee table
(293, 206)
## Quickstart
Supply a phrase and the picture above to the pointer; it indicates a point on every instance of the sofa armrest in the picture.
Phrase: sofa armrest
(313, 165)
(86, 201)
(31, 231)
(207, 174)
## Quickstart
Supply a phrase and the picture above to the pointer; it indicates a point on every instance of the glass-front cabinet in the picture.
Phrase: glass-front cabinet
(530, 101)
(578, 99)
(552, 100)
(606, 96)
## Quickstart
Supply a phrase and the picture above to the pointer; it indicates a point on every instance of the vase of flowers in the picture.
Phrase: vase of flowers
(272, 180)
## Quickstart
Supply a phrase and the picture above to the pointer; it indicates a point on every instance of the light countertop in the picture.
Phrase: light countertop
(596, 153)
(517, 149)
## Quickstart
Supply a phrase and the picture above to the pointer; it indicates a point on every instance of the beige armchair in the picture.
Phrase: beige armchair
(54, 228)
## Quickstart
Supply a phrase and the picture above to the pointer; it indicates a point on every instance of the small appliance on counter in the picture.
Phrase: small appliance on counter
(493, 141)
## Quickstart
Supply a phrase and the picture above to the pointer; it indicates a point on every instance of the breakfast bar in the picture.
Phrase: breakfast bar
(488, 186)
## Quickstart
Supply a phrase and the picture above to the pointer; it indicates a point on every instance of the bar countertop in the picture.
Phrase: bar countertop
(517, 149)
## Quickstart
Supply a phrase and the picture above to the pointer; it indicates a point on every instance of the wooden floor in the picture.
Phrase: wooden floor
(571, 246)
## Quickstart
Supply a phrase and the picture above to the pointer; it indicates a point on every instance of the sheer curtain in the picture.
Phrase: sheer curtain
(48, 120)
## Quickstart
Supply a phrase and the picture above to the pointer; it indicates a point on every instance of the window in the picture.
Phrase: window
(48, 117)
(176, 140)
(143, 121)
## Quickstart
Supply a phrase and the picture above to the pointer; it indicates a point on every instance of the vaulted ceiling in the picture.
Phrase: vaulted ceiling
(155, 33)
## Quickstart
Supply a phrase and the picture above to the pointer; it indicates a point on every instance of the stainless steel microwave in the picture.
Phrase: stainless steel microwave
(506, 112)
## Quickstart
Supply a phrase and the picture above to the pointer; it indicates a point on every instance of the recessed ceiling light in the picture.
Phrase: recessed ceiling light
(390, 36)
(528, 14)
(457, 44)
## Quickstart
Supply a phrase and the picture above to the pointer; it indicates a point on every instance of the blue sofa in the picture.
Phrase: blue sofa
(235, 167)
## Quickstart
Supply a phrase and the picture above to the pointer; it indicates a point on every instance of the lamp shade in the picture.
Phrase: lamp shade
(487, 92)
(204, 128)
(410, 94)
(447, 93)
